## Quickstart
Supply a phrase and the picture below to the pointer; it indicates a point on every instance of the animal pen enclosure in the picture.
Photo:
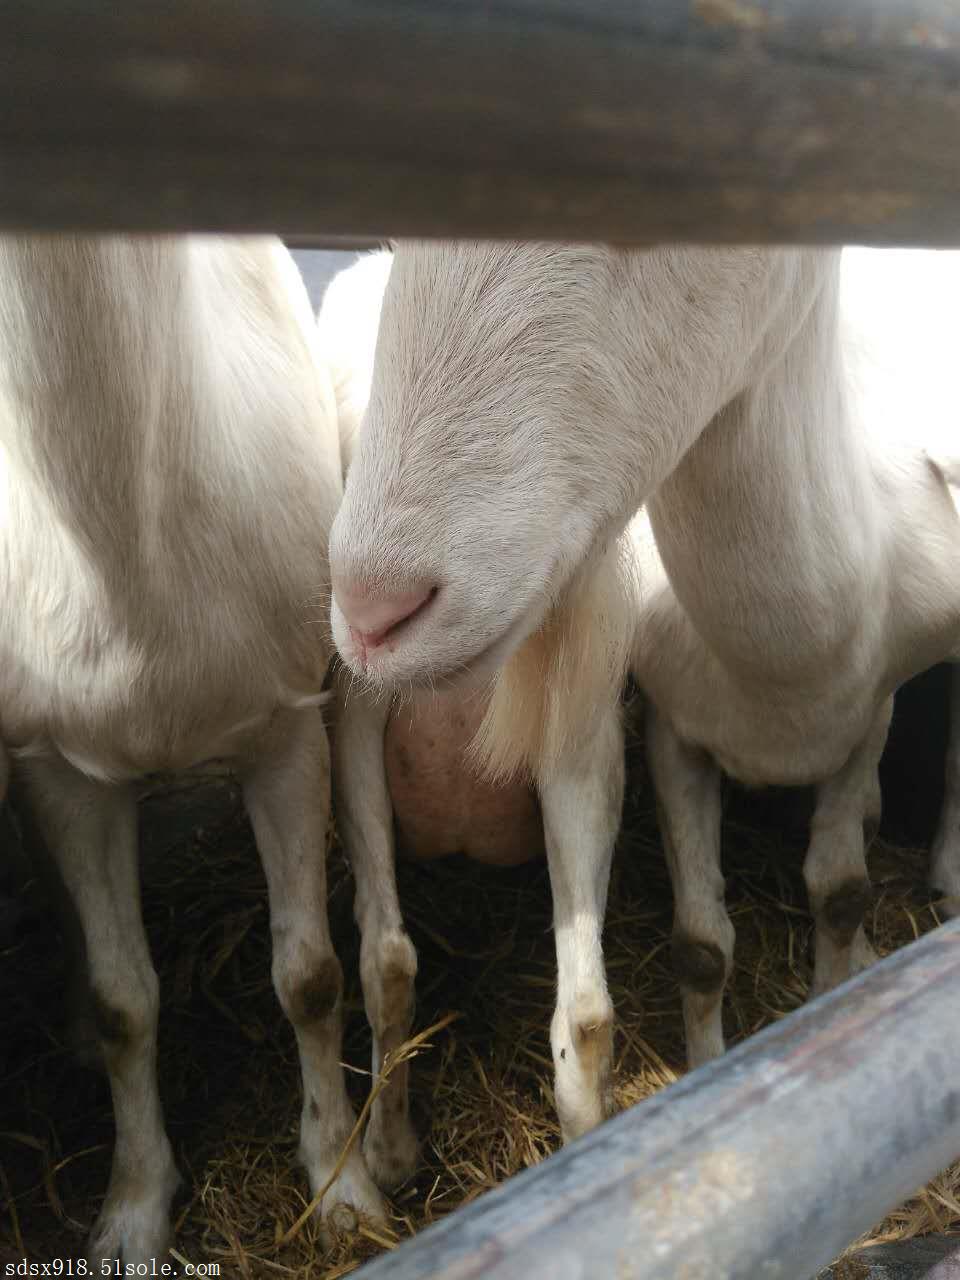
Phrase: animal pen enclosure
(825, 121)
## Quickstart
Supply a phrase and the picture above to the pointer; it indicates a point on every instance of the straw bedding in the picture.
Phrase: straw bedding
(482, 1095)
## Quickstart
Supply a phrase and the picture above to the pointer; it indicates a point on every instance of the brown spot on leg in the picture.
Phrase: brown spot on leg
(314, 1109)
(112, 1024)
(389, 986)
(844, 909)
(315, 997)
(399, 975)
(699, 965)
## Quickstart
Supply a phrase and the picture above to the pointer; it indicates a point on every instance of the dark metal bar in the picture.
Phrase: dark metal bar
(711, 120)
(333, 244)
(760, 1166)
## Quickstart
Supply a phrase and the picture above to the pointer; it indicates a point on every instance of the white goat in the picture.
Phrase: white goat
(901, 306)
(526, 401)
(403, 765)
(168, 474)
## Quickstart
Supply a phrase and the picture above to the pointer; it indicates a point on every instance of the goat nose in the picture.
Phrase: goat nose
(373, 615)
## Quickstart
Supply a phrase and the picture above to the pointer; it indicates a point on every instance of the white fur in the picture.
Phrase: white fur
(552, 716)
(169, 469)
(902, 307)
(527, 399)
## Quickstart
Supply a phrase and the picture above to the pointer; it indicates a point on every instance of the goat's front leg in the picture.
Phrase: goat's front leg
(81, 1031)
(582, 806)
(945, 853)
(287, 794)
(687, 785)
(845, 820)
(388, 961)
(91, 833)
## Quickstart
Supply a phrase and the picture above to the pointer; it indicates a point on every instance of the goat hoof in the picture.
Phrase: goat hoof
(351, 1198)
(136, 1233)
(134, 1222)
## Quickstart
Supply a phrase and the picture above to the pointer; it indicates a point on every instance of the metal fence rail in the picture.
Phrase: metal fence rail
(761, 1166)
(729, 120)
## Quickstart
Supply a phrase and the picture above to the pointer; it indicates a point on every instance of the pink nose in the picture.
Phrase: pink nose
(373, 615)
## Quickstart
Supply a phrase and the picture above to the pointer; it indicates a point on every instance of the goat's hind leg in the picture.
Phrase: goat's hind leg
(388, 961)
(687, 786)
(945, 852)
(287, 793)
(90, 831)
(845, 820)
(582, 806)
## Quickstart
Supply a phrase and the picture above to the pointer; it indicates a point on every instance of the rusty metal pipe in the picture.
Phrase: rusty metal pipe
(762, 1165)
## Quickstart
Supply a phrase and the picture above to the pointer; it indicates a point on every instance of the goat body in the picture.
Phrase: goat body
(526, 400)
(169, 470)
(406, 772)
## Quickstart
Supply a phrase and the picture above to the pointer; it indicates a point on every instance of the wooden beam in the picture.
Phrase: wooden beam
(627, 120)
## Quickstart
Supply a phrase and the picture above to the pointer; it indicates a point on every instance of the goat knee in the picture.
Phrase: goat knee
(122, 1016)
(582, 1041)
(388, 969)
(309, 990)
(843, 908)
(700, 965)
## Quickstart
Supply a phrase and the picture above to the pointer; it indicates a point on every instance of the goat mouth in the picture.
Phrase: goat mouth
(388, 637)
(464, 675)
(397, 666)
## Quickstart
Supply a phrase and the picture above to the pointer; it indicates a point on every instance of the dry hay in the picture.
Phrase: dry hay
(482, 1093)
